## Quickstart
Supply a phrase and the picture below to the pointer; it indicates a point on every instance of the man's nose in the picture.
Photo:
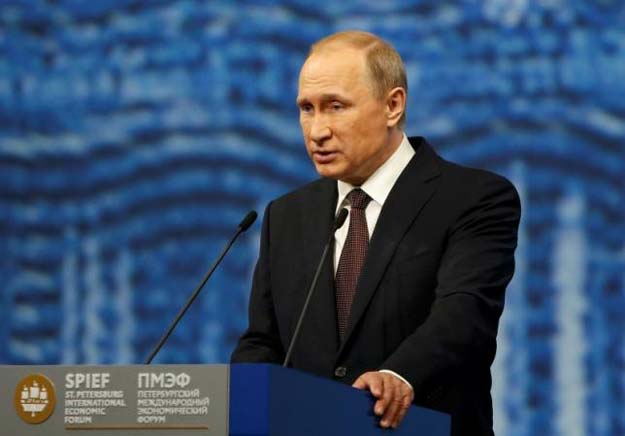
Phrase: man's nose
(320, 129)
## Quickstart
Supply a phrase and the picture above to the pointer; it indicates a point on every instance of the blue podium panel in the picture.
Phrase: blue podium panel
(180, 400)
(267, 400)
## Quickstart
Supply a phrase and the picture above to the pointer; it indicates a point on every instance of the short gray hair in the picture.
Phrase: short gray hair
(385, 66)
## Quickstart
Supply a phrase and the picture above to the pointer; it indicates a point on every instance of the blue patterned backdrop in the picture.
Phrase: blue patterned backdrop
(135, 134)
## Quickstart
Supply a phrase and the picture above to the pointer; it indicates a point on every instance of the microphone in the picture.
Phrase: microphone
(243, 226)
(338, 223)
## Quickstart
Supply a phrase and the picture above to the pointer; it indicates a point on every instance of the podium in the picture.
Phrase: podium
(191, 400)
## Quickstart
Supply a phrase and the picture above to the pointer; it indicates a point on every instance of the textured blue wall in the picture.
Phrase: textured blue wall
(135, 134)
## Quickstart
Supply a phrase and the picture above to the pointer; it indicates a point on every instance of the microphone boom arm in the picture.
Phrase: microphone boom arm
(338, 223)
(243, 226)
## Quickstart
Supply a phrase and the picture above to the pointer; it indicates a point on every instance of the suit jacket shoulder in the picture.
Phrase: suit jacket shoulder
(464, 181)
(306, 198)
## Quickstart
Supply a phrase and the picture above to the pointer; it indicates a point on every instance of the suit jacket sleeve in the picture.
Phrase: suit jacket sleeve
(476, 266)
(261, 342)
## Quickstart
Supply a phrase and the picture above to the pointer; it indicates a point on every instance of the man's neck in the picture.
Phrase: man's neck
(379, 184)
(395, 138)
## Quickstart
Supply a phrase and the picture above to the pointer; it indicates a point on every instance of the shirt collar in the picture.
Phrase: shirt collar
(380, 183)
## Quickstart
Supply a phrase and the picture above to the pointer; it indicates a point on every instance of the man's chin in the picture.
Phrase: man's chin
(328, 172)
(339, 175)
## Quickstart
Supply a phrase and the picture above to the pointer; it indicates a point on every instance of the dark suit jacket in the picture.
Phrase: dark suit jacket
(428, 300)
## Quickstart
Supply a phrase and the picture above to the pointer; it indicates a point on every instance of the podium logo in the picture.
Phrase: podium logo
(34, 398)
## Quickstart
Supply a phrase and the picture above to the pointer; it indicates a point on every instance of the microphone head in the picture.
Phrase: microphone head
(248, 220)
(340, 219)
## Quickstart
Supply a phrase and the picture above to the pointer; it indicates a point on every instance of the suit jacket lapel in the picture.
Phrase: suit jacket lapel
(321, 316)
(411, 192)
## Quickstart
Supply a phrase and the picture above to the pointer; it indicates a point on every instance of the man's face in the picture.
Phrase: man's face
(344, 124)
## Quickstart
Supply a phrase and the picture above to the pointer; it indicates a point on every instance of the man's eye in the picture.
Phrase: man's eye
(306, 108)
(335, 106)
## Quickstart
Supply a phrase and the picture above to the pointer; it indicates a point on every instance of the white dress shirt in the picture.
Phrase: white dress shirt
(377, 186)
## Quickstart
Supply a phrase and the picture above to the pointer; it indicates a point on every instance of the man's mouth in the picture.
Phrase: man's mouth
(324, 157)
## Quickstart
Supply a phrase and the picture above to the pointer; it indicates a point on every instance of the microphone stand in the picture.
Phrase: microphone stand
(338, 223)
(243, 226)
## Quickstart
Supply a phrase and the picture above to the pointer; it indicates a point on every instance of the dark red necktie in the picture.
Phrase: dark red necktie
(352, 257)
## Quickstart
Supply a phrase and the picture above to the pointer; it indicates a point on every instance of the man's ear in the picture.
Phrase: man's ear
(395, 106)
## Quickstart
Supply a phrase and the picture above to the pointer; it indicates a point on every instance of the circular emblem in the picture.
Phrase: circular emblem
(34, 398)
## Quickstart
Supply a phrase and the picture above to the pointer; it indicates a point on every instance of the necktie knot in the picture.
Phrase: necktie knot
(358, 199)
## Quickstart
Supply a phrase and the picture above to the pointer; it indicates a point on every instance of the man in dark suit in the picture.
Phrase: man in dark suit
(409, 306)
